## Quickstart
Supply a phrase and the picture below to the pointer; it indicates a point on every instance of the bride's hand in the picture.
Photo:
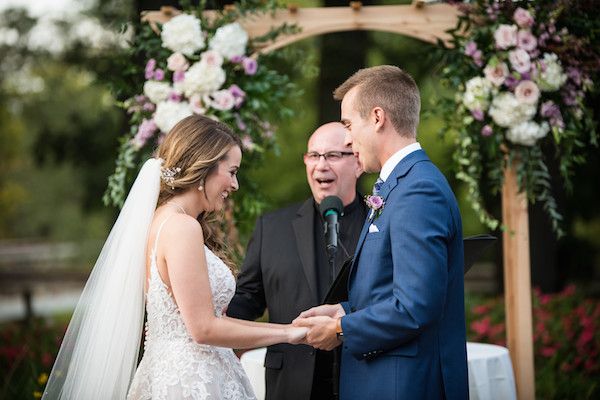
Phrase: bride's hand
(296, 335)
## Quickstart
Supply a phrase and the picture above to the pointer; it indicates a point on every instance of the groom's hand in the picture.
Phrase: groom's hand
(329, 310)
(322, 331)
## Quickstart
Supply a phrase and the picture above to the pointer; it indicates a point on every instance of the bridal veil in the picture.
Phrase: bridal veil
(99, 352)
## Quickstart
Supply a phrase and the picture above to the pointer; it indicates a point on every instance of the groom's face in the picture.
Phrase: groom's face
(360, 133)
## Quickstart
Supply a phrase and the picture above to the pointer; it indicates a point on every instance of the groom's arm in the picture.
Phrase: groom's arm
(419, 232)
(249, 300)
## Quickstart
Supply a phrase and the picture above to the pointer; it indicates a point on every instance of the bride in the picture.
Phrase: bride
(161, 249)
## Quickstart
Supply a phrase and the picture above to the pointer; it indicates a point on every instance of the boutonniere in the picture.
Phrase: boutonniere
(375, 203)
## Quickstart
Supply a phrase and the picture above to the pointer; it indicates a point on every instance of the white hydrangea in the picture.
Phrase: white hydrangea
(507, 111)
(477, 94)
(202, 78)
(551, 77)
(157, 91)
(168, 113)
(182, 34)
(527, 133)
(230, 40)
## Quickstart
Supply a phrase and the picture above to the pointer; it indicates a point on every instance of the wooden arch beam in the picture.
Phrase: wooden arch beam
(427, 23)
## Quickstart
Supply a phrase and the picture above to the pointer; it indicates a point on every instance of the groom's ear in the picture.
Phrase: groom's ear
(379, 116)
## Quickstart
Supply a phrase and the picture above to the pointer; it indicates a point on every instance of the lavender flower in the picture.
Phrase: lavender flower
(250, 65)
(486, 131)
(159, 74)
(477, 114)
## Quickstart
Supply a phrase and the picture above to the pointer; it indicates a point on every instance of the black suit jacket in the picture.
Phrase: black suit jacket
(279, 273)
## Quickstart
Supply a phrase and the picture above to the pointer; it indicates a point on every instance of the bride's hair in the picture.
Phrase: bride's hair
(193, 149)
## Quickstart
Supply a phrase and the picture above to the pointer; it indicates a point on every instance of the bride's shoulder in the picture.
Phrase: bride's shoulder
(182, 227)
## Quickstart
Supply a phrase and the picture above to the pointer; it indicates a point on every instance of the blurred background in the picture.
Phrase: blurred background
(60, 65)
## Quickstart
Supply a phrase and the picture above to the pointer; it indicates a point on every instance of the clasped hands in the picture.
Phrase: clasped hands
(321, 322)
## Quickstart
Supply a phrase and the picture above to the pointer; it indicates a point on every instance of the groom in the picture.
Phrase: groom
(402, 329)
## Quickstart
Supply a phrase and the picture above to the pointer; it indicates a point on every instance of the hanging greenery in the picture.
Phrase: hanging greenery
(521, 76)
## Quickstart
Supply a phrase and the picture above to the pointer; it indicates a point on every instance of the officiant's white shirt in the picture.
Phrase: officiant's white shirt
(391, 163)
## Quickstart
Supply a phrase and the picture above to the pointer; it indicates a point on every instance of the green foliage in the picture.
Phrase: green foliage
(266, 94)
(566, 340)
(483, 149)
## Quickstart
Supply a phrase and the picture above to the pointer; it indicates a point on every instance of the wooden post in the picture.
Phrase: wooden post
(517, 284)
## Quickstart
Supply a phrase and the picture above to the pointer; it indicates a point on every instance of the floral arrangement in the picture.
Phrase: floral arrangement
(198, 65)
(521, 79)
(375, 203)
(566, 340)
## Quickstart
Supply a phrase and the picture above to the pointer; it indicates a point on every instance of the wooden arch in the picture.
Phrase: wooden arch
(427, 22)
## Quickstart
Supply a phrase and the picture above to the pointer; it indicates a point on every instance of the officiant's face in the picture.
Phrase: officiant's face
(331, 168)
(222, 181)
(360, 133)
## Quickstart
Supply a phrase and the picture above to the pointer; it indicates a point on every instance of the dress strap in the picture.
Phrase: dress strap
(158, 233)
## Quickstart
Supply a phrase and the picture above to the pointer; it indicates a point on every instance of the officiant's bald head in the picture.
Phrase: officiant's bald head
(331, 167)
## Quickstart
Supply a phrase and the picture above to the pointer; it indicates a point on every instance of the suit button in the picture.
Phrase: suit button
(312, 353)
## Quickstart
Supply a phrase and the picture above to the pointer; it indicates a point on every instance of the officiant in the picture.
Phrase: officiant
(286, 269)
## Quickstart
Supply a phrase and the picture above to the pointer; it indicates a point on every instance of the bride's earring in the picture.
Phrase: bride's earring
(201, 187)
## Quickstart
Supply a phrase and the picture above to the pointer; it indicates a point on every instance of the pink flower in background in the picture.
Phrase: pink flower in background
(523, 18)
(236, 59)
(487, 131)
(506, 36)
(247, 142)
(196, 105)
(159, 74)
(212, 58)
(481, 309)
(175, 97)
(149, 70)
(145, 131)
(250, 66)
(477, 114)
(526, 41)
(548, 351)
(496, 74)
(527, 92)
(178, 76)
(177, 62)
(481, 327)
(520, 60)
(238, 94)
(222, 100)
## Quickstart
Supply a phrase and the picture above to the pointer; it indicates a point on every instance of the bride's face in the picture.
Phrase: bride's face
(223, 181)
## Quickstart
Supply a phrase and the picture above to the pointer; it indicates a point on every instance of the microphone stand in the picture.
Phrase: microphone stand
(335, 375)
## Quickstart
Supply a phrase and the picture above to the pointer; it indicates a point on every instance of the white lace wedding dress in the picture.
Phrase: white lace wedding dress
(173, 365)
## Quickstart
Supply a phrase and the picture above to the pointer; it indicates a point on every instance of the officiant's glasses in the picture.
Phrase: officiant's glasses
(312, 157)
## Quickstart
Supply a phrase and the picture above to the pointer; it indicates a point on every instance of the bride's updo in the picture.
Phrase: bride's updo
(191, 151)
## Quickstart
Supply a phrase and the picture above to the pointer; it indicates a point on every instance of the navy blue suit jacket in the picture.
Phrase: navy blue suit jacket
(404, 332)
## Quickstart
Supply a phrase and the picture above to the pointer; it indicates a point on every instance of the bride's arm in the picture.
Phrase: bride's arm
(254, 323)
(182, 245)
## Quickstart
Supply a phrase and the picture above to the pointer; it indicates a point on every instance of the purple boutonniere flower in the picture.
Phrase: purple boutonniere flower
(375, 203)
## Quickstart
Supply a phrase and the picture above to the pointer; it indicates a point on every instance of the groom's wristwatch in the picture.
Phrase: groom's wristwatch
(339, 333)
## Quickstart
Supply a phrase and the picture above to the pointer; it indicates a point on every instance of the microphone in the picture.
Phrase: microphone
(331, 208)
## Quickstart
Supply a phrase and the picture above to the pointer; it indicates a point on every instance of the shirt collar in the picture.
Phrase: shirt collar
(391, 163)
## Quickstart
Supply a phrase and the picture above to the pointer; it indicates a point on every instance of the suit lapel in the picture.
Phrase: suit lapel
(303, 229)
(391, 182)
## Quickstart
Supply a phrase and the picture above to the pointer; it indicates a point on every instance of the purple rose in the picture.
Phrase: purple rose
(178, 76)
(375, 202)
(250, 65)
(470, 48)
(575, 75)
(486, 131)
(523, 18)
(175, 97)
(477, 114)
(145, 131)
(149, 70)
(159, 74)
(236, 59)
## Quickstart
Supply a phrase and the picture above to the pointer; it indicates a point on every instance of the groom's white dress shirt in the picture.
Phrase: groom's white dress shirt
(391, 163)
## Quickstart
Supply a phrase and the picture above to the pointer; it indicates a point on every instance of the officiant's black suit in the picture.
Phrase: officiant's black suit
(286, 271)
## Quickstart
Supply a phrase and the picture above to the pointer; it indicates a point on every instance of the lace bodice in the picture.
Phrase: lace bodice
(174, 366)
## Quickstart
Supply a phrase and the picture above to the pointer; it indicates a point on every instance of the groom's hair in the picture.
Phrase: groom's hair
(390, 88)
